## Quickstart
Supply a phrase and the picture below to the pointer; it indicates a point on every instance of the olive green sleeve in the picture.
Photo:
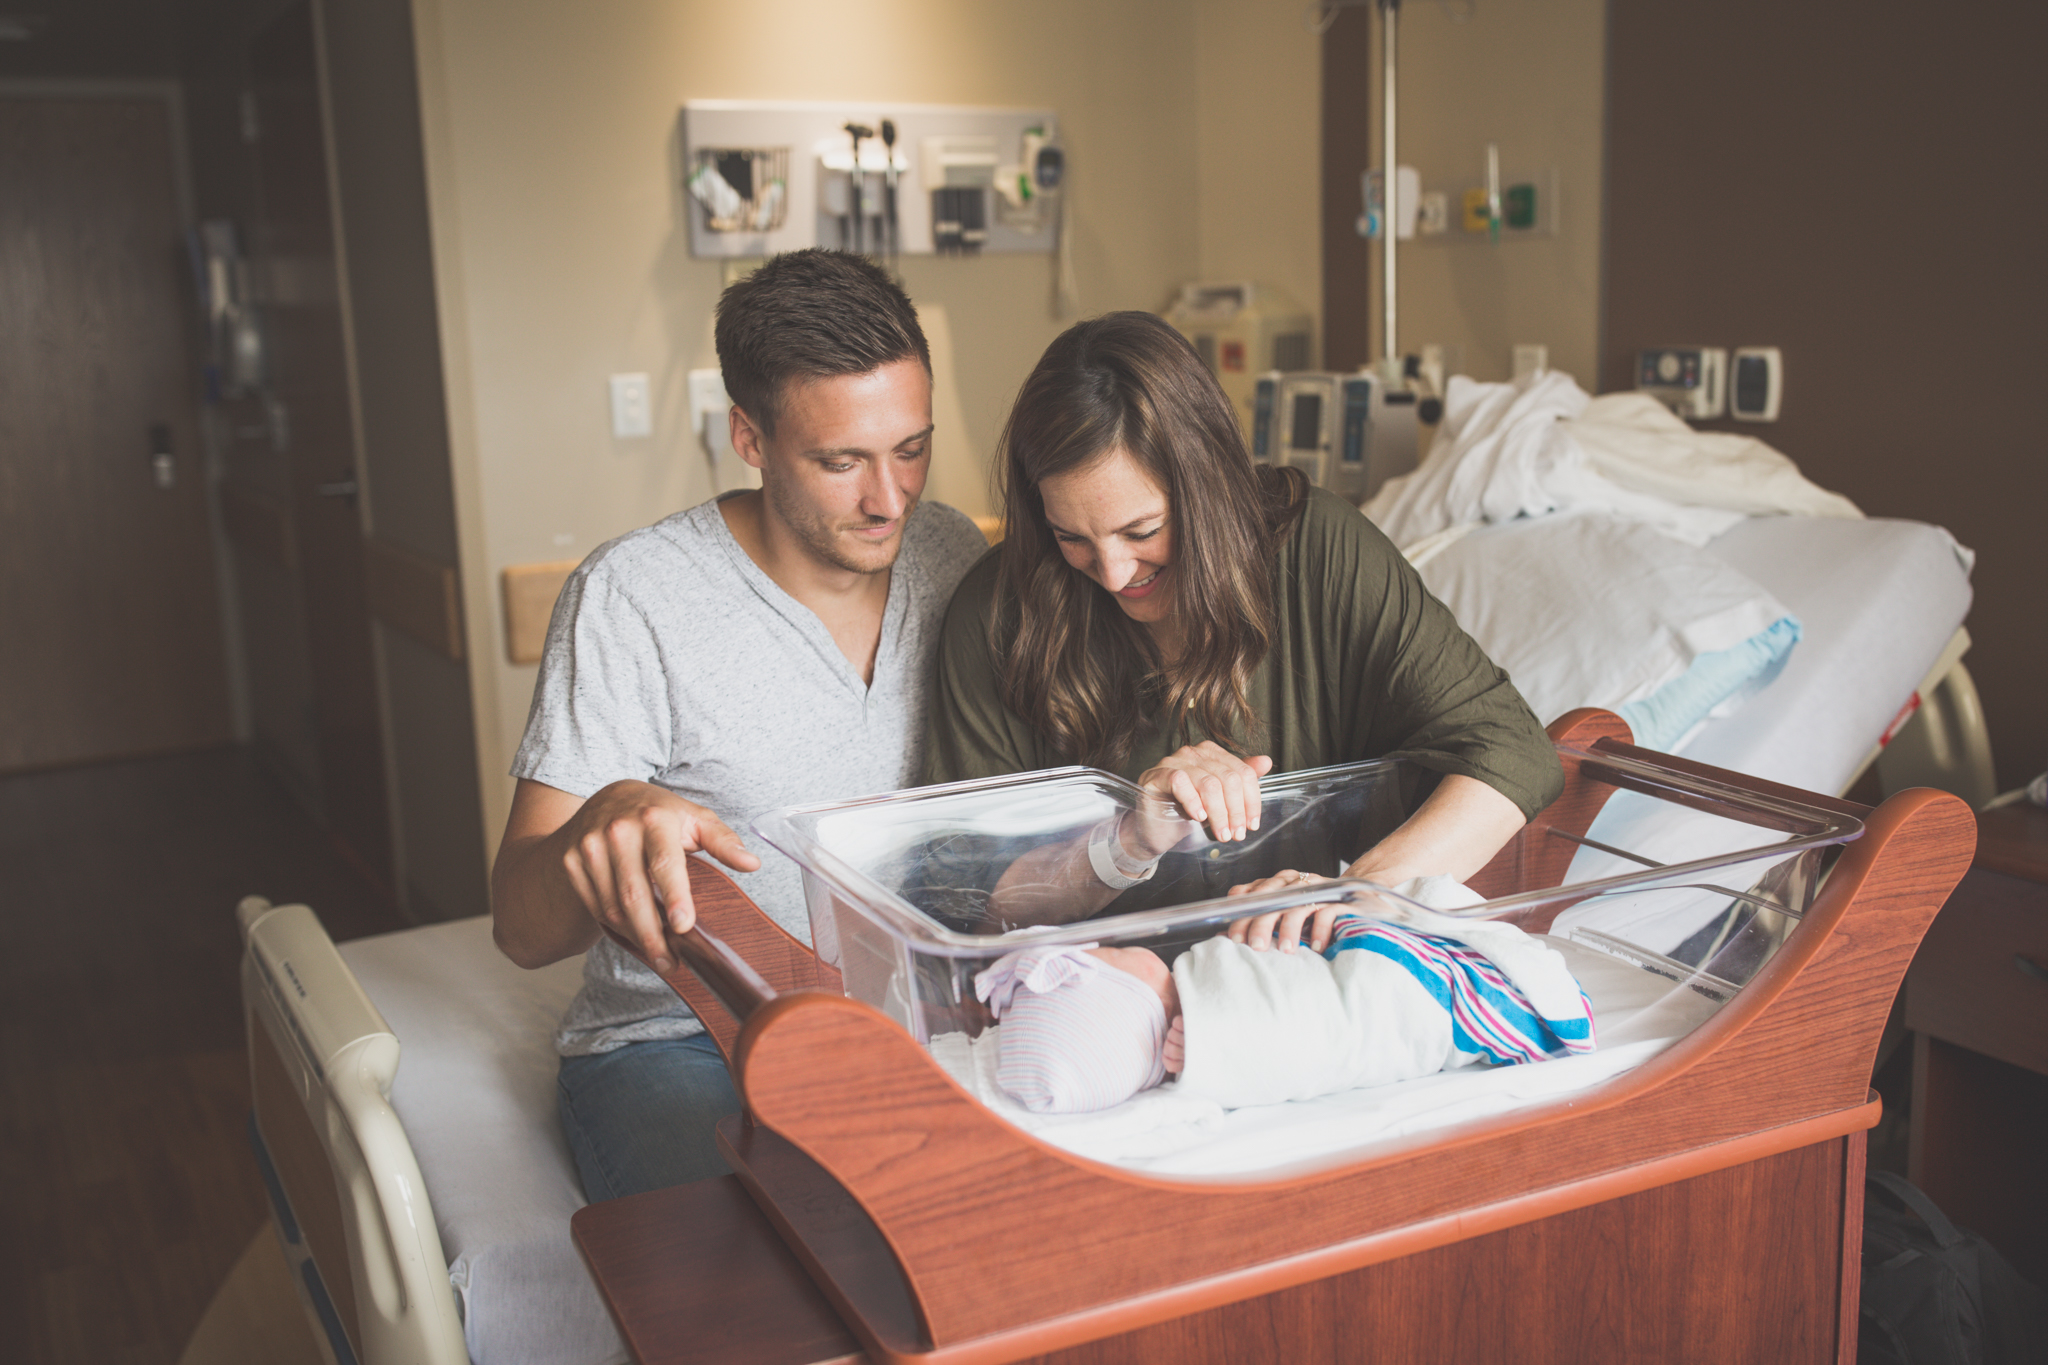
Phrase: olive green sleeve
(968, 731)
(1422, 688)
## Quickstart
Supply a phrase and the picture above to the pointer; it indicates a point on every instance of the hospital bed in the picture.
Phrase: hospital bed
(473, 1099)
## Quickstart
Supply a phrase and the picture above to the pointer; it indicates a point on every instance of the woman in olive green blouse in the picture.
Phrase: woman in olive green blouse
(1164, 608)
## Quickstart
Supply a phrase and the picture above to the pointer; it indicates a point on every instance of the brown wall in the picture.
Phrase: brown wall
(1862, 187)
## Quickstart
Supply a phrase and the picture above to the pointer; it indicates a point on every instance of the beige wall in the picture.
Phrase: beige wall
(1528, 75)
(561, 252)
(1259, 79)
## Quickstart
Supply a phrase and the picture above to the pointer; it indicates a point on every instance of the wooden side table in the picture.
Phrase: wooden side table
(696, 1274)
(1977, 1004)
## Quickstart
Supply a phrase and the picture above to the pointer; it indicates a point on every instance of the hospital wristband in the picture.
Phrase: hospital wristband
(1106, 856)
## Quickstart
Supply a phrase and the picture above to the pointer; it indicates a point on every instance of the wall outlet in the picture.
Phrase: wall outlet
(708, 407)
(632, 407)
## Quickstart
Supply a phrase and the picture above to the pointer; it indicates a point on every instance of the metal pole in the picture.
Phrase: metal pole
(1390, 353)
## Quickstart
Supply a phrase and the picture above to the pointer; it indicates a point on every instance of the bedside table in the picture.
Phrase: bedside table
(1977, 1006)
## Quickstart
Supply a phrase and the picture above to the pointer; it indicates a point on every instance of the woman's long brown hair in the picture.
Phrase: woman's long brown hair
(1073, 666)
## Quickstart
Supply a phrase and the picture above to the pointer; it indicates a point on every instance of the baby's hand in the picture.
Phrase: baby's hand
(1176, 1049)
(1283, 928)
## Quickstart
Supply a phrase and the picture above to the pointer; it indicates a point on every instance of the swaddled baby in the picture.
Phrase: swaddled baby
(1393, 997)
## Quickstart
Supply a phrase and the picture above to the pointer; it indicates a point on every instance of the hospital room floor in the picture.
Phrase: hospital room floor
(129, 1191)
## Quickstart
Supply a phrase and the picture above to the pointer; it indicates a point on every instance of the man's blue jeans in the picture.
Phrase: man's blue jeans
(641, 1117)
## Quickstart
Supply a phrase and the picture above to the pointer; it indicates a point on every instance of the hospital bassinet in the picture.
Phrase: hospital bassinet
(1620, 1218)
(907, 891)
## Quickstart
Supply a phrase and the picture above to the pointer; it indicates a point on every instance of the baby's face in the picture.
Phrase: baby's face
(1149, 968)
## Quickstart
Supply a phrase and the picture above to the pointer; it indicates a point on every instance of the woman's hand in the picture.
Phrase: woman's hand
(1283, 928)
(1211, 785)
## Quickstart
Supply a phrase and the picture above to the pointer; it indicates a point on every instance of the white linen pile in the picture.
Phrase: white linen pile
(1541, 445)
(1563, 531)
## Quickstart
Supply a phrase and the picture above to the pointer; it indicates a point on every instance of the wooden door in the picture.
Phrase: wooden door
(306, 362)
(110, 630)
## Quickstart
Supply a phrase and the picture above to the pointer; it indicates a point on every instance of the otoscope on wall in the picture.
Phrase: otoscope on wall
(857, 186)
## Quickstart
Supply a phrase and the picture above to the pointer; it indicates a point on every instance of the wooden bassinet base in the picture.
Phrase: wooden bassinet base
(1741, 1264)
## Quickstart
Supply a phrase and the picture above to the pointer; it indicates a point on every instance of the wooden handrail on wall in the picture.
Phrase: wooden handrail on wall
(411, 593)
(530, 593)
(415, 595)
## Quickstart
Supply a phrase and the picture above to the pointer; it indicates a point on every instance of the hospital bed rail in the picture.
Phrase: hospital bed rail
(349, 1203)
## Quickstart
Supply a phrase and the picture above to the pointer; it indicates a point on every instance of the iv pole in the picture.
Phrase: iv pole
(1390, 351)
(1323, 13)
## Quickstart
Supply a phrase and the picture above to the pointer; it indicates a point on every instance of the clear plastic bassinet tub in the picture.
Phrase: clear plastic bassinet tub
(1681, 890)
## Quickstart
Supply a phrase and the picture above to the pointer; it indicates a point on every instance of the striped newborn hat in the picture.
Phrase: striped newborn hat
(1077, 1034)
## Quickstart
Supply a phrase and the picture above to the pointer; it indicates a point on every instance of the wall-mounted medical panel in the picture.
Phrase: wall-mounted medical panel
(885, 179)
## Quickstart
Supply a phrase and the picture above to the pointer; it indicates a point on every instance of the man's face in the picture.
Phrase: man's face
(847, 462)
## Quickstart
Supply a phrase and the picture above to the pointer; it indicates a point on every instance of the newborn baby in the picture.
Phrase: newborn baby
(1087, 1028)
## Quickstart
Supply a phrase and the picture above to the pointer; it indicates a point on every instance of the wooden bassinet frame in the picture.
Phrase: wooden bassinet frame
(1705, 1205)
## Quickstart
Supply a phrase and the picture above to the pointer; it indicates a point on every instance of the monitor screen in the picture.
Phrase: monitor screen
(1307, 432)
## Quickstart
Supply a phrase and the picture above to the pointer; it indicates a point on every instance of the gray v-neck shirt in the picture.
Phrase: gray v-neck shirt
(673, 659)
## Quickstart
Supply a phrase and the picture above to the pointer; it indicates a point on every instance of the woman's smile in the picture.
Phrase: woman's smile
(1143, 587)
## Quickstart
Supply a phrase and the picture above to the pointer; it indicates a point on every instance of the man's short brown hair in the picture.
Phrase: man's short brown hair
(811, 314)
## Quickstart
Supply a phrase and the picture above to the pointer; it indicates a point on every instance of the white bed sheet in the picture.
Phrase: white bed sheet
(1879, 600)
(476, 1092)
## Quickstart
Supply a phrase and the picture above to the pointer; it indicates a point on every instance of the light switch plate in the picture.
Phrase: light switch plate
(1757, 384)
(632, 407)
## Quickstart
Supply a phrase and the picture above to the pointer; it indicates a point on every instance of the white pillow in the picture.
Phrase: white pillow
(1587, 610)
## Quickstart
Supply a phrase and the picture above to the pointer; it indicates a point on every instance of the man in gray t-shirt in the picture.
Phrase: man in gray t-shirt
(763, 649)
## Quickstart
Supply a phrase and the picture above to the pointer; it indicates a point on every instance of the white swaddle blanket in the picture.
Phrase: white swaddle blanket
(1167, 1131)
(1266, 1027)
